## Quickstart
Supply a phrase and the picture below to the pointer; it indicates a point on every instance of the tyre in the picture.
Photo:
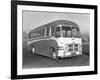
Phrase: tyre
(33, 50)
(53, 54)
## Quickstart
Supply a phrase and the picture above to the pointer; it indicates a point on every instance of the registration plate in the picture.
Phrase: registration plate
(73, 53)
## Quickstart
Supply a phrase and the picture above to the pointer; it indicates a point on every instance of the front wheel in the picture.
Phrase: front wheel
(53, 54)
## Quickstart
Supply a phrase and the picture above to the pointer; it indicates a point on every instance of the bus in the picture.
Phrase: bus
(57, 39)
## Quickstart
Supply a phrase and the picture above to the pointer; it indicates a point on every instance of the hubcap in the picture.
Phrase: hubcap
(33, 50)
(54, 55)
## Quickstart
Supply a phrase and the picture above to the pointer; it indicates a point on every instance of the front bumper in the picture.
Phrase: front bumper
(63, 54)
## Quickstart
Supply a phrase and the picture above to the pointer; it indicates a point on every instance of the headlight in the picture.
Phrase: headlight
(80, 47)
(66, 47)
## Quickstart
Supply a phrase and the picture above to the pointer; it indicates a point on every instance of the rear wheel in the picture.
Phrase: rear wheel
(33, 50)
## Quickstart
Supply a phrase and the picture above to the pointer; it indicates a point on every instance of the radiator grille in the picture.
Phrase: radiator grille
(73, 47)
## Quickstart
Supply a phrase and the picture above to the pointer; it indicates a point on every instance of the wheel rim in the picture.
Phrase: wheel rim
(33, 50)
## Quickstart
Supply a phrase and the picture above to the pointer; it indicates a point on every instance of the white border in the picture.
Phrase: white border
(21, 71)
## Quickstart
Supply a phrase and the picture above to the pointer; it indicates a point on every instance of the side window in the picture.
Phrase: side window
(38, 33)
(29, 36)
(35, 34)
(52, 30)
(43, 32)
(47, 31)
(58, 32)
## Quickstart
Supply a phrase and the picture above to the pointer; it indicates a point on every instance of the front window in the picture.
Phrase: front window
(68, 31)
(47, 31)
(74, 32)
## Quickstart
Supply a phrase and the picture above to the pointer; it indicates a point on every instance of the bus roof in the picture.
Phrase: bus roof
(57, 22)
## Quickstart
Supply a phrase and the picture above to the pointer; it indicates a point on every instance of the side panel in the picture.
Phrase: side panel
(43, 47)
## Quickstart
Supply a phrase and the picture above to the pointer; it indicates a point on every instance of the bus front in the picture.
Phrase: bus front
(69, 41)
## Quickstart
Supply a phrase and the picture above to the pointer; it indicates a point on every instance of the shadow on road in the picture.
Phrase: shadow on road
(36, 61)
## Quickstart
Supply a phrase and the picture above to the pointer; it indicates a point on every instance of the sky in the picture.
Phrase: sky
(34, 19)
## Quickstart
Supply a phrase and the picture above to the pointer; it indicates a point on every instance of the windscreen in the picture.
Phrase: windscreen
(68, 31)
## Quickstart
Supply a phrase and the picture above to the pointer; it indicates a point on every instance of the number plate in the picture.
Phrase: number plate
(73, 53)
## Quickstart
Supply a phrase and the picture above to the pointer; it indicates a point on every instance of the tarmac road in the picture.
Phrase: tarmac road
(36, 61)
